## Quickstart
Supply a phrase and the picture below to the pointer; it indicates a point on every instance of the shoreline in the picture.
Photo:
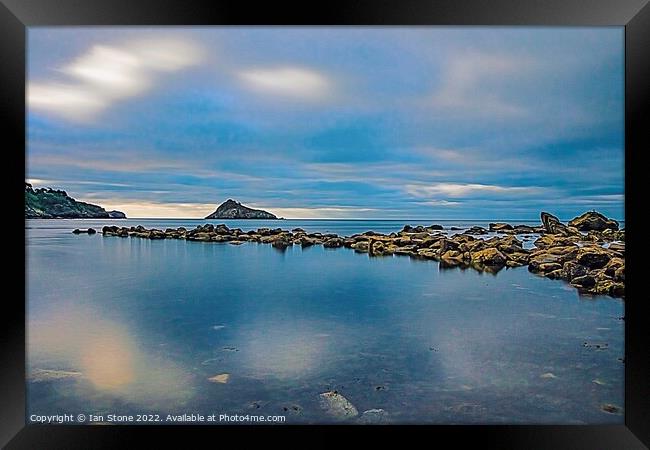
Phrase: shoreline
(592, 261)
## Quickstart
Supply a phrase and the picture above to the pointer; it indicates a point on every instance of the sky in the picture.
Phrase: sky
(330, 122)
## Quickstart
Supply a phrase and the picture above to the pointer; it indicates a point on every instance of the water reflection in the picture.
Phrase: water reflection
(128, 325)
(107, 355)
(288, 348)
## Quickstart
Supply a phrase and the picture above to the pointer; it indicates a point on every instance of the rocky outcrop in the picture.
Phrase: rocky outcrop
(230, 209)
(593, 221)
(116, 215)
(593, 263)
(48, 203)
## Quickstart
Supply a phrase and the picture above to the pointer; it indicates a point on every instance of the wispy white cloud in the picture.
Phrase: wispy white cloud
(460, 190)
(105, 74)
(440, 203)
(50, 183)
(289, 81)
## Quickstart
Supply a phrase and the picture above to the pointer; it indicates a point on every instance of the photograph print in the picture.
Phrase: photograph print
(325, 225)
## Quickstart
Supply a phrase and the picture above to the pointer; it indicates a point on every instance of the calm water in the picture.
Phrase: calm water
(146, 323)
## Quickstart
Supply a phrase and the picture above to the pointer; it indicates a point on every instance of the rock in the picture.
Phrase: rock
(221, 378)
(109, 230)
(230, 209)
(91, 231)
(361, 247)
(552, 224)
(573, 270)
(585, 281)
(613, 265)
(375, 247)
(76, 231)
(618, 247)
(593, 257)
(337, 405)
(489, 257)
(524, 229)
(374, 416)
(549, 267)
(306, 241)
(430, 227)
(500, 226)
(609, 408)
(281, 244)
(619, 274)
(334, 242)
(593, 220)
(476, 230)
(452, 258)
(116, 215)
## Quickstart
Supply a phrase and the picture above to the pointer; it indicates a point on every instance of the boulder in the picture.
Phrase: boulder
(500, 226)
(374, 416)
(489, 257)
(585, 281)
(476, 230)
(334, 242)
(593, 257)
(593, 221)
(524, 229)
(574, 270)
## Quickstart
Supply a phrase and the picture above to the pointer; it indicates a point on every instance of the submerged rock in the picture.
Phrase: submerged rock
(221, 378)
(374, 416)
(337, 405)
(609, 408)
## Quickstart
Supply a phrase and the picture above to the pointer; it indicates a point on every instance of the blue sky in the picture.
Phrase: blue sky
(400, 122)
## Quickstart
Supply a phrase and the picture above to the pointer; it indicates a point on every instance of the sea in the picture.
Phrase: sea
(151, 332)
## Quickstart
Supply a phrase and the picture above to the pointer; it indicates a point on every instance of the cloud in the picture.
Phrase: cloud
(461, 190)
(294, 82)
(150, 209)
(106, 74)
(440, 203)
(329, 212)
(52, 183)
(470, 82)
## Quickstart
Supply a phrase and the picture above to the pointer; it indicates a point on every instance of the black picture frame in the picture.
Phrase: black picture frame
(634, 15)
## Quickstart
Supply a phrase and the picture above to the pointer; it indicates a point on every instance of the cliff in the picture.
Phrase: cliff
(48, 203)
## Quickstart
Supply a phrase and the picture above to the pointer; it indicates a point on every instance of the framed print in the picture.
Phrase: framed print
(366, 217)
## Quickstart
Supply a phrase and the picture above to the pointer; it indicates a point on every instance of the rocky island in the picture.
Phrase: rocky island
(48, 203)
(230, 209)
(588, 253)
